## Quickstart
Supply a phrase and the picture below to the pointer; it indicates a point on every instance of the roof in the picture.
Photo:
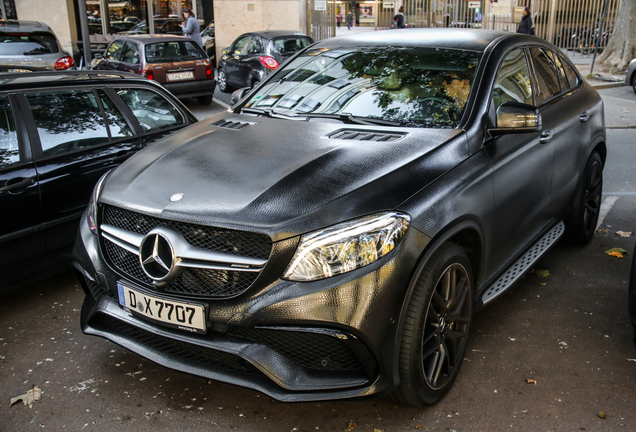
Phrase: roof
(23, 26)
(147, 38)
(32, 80)
(468, 39)
(271, 34)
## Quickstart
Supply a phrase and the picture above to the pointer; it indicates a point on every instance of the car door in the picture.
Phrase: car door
(77, 136)
(21, 235)
(130, 58)
(233, 61)
(111, 59)
(522, 168)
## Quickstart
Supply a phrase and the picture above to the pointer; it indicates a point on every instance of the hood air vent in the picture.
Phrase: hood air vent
(358, 135)
(232, 124)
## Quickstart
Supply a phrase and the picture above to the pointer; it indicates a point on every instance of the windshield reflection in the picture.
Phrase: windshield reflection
(420, 87)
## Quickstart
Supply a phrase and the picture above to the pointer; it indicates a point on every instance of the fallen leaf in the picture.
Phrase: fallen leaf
(602, 414)
(624, 234)
(420, 427)
(541, 273)
(543, 284)
(33, 395)
(351, 426)
(531, 381)
(617, 252)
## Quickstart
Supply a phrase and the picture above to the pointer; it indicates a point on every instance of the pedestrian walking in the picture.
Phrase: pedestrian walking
(191, 27)
(339, 18)
(349, 20)
(399, 18)
(525, 26)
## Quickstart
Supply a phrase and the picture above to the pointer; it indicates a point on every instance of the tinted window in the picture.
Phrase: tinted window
(67, 121)
(240, 47)
(27, 44)
(513, 80)
(289, 45)
(257, 46)
(114, 50)
(556, 61)
(118, 126)
(152, 110)
(572, 76)
(547, 80)
(418, 87)
(163, 52)
(130, 53)
(9, 150)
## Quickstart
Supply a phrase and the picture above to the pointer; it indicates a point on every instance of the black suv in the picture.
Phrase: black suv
(334, 234)
(59, 132)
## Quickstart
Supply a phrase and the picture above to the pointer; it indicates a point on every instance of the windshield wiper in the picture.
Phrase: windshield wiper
(269, 113)
(348, 118)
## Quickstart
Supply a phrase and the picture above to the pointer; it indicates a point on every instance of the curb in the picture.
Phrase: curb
(608, 85)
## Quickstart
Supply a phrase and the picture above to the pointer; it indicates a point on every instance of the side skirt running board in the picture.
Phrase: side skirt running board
(519, 267)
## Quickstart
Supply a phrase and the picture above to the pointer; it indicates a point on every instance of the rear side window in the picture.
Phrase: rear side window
(547, 79)
(289, 45)
(118, 126)
(164, 52)
(152, 110)
(130, 53)
(9, 150)
(67, 121)
(572, 76)
(27, 44)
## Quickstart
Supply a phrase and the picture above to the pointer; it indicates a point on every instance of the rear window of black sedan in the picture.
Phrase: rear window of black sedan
(173, 51)
(412, 86)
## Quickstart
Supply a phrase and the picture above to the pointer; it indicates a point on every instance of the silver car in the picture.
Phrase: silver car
(29, 46)
(630, 75)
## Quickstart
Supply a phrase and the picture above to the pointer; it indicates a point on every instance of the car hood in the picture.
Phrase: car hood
(280, 177)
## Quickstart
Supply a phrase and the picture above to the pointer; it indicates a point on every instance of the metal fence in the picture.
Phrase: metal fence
(321, 19)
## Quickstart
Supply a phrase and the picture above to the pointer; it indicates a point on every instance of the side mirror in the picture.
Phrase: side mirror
(515, 117)
(225, 50)
(237, 95)
(98, 56)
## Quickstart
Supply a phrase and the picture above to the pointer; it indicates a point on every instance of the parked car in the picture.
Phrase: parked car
(630, 75)
(59, 132)
(631, 303)
(333, 236)
(162, 26)
(207, 37)
(176, 62)
(27, 46)
(252, 56)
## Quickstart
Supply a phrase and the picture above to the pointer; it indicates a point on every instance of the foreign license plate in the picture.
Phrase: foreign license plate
(181, 315)
(178, 76)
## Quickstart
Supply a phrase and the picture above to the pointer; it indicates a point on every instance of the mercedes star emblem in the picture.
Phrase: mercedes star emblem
(176, 197)
(157, 256)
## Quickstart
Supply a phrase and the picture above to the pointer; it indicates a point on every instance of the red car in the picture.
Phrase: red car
(176, 62)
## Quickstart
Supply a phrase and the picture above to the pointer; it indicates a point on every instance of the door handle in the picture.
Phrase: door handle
(546, 136)
(17, 183)
(584, 117)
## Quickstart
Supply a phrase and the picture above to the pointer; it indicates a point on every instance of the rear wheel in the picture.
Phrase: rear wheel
(204, 100)
(436, 327)
(634, 82)
(581, 223)
(221, 81)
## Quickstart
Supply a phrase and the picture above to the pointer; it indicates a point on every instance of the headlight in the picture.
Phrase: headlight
(346, 246)
(92, 205)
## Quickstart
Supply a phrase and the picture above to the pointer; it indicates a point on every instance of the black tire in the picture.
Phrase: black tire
(581, 224)
(634, 82)
(221, 82)
(436, 328)
(204, 100)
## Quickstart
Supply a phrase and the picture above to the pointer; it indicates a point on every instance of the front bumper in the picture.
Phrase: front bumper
(196, 88)
(329, 339)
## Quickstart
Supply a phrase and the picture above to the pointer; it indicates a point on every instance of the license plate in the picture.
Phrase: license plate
(178, 76)
(177, 314)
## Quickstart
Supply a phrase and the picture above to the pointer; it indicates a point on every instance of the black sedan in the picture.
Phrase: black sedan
(333, 236)
(252, 56)
(59, 132)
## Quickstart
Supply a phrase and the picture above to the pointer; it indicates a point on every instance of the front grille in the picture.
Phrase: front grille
(185, 352)
(192, 282)
(311, 350)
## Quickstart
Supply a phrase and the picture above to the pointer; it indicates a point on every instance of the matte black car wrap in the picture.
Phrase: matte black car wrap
(336, 255)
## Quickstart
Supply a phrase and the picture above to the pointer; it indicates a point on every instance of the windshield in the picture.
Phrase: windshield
(27, 44)
(417, 87)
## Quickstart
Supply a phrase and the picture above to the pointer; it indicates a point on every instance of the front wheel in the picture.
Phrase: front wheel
(581, 224)
(436, 327)
(221, 81)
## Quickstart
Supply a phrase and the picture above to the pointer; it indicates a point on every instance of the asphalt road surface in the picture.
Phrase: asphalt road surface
(550, 355)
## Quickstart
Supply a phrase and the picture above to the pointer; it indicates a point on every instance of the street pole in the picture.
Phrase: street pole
(599, 32)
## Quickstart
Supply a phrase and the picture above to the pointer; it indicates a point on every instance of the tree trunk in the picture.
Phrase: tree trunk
(621, 47)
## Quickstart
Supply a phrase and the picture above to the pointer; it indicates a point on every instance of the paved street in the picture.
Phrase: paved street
(567, 333)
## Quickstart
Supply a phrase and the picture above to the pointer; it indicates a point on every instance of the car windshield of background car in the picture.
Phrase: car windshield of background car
(166, 52)
(417, 87)
(27, 44)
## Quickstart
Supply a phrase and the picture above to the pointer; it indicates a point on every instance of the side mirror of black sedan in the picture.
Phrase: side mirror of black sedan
(514, 117)
(237, 95)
